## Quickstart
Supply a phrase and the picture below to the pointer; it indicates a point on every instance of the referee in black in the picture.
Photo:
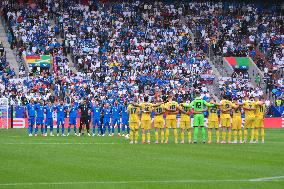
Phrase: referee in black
(85, 110)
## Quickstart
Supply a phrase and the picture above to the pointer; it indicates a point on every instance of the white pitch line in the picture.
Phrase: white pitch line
(140, 181)
(58, 143)
(268, 179)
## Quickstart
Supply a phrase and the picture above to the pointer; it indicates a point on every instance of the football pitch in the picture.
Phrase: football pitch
(111, 162)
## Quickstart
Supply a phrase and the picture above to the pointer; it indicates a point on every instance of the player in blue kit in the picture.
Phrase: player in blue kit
(30, 110)
(60, 109)
(124, 119)
(48, 118)
(115, 117)
(72, 118)
(39, 117)
(106, 120)
(96, 109)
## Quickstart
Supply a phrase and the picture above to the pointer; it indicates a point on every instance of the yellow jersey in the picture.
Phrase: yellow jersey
(171, 106)
(133, 112)
(158, 110)
(249, 104)
(213, 113)
(260, 109)
(183, 116)
(236, 111)
(146, 109)
(225, 104)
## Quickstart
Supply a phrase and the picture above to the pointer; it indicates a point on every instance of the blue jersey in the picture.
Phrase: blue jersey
(124, 112)
(115, 111)
(107, 113)
(39, 110)
(48, 111)
(96, 112)
(31, 110)
(73, 111)
(60, 111)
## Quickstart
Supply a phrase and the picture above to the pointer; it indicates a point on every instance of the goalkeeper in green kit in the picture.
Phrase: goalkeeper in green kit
(199, 107)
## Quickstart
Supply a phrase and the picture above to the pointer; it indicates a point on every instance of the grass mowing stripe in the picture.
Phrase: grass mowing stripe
(144, 181)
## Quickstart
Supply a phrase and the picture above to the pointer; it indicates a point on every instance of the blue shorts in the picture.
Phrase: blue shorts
(39, 120)
(106, 122)
(115, 121)
(125, 121)
(49, 121)
(60, 121)
(72, 121)
(31, 121)
(96, 121)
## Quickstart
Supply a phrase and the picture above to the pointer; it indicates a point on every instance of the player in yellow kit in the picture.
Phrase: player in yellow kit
(249, 108)
(213, 122)
(237, 121)
(185, 120)
(171, 118)
(159, 122)
(225, 118)
(259, 119)
(146, 109)
(133, 112)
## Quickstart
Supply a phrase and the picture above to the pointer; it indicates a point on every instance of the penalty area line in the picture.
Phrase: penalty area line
(269, 179)
(59, 143)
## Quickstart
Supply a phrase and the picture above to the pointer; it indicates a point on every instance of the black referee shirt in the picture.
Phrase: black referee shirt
(84, 110)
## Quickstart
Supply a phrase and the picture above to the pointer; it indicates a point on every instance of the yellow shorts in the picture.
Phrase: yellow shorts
(249, 122)
(213, 124)
(225, 122)
(258, 122)
(133, 125)
(146, 124)
(159, 123)
(171, 123)
(185, 124)
(237, 123)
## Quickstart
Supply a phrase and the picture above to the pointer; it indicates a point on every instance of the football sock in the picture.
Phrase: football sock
(69, 128)
(203, 130)
(75, 129)
(162, 136)
(42, 129)
(175, 134)
(30, 129)
(62, 128)
(123, 128)
(108, 129)
(252, 134)
(118, 129)
(217, 135)
(136, 135)
(112, 129)
(128, 129)
(57, 129)
(223, 135)
(235, 135)
(182, 135)
(131, 135)
(262, 133)
(99, 129)
(209, 135)
(230, 136)
(149, 136)
(240, 135)
(245, 134)
(36, 129)
(94, 129)
(256, 134)
(167, 132)
(189, 135)
(143, 137)
(51, 128)
(195, 134)
(45, 128)
(156, 135)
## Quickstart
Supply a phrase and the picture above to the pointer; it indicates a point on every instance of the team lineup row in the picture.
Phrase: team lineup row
(136, 115)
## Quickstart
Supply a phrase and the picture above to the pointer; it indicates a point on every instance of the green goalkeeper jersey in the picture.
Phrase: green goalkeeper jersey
(198, 104)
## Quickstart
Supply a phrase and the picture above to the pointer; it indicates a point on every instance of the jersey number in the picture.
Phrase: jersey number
(173, 107)
(213, 110)
(159, 110)
(198, 105)
(261, 109)
(133, 110)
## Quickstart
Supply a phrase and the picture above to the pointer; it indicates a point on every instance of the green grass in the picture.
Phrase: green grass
(110, 162)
